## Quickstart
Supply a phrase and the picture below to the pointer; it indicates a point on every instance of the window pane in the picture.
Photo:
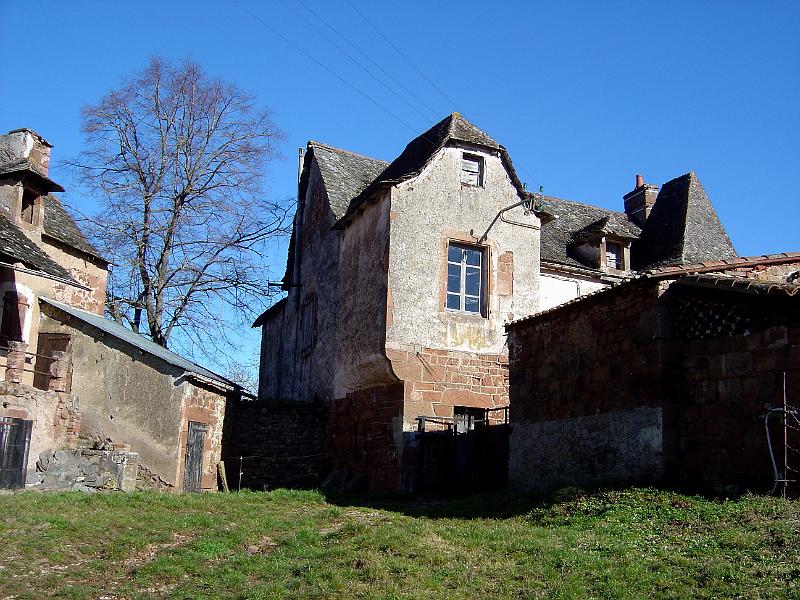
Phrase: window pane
(473, 256)
(472, 281)
(453, 278)
(454, 301)
(469, 178)
(472, 304)
(454, 254)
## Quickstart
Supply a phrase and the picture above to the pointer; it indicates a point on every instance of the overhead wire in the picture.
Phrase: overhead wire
(323, 65)
(373, 62)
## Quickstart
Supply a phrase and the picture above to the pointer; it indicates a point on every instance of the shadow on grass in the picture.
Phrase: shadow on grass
(509, 503)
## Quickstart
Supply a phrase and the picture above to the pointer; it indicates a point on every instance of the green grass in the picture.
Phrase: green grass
(638, 543)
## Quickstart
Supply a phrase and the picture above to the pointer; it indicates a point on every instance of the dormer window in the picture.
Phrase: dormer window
(471, 169)
(28, 208)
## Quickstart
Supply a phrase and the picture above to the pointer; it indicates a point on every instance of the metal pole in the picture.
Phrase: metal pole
(785, 439)
(241, 458)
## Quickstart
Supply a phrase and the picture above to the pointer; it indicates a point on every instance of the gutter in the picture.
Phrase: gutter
(71, 282)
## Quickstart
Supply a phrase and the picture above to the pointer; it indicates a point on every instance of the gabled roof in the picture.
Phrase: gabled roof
(138, 341)
(574, 220)
(682, 228)
(59, 225)
(419, 151)
(345, 174)
(16, 244)
(275, 308)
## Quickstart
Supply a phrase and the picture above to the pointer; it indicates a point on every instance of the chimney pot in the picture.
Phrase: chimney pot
(639, 181)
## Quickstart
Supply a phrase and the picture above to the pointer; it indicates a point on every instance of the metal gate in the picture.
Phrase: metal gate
(15, 439)
(193, 465)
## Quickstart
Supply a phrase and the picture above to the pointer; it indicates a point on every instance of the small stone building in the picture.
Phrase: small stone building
(70, 377)
(664, 378)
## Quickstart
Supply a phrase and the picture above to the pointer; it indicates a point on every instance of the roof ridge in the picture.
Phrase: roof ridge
(337, 149)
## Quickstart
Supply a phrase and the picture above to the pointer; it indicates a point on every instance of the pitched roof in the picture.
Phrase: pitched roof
(682, 228)
(262, 318)
(16, 244)
(138, 341)
(345, 174)
(59, 225)
(419, 151)
(573, 221)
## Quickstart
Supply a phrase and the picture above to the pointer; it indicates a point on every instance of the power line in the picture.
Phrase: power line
(322, 65)
(373, 62)
(402, 54)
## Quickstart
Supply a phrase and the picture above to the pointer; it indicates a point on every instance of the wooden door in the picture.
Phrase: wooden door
(193, 465)
(15, 439)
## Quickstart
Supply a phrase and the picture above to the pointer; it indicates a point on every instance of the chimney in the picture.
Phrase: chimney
(639, 202)
(25, 143)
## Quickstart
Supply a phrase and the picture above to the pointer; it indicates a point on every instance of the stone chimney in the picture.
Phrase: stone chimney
(19, 144)
(639, 202)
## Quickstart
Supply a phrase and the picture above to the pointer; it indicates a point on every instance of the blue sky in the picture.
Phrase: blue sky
(583, 94)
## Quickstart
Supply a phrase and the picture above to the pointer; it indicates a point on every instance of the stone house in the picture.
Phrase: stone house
(663, 378)
(401, 277)
(72, 378)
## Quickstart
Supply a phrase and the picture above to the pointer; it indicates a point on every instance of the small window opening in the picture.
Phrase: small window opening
(28, 206)
(614, 256)
(471, 170)
(308, 324)
(466, 278)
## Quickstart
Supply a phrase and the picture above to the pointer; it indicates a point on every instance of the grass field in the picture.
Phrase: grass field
(638, 543)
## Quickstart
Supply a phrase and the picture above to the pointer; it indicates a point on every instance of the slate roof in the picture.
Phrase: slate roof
(682, 228)
(419, 151)
(345, 174)
(59, 225)
(16, 244)
(25, 166)
(144, 344)
(575, 220)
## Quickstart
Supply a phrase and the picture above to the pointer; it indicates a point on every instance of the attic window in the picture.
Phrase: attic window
(471, 170)
(27, 210)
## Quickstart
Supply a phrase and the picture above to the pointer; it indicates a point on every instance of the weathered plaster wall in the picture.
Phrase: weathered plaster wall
(433, 208)
(363, 306)
(124, 394)
(90, 272)
(294, 373)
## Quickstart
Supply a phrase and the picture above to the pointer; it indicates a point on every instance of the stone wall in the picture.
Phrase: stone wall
(648, 382)
(437, 380)
(277, 444)
(365, 439)
(587, 383)
(203, 405)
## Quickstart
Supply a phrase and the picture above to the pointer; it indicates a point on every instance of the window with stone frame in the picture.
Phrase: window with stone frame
(466, 278)
(472, 169)
(308, 324)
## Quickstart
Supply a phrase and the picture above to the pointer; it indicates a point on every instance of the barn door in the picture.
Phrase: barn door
(193, 465)
(15, 439)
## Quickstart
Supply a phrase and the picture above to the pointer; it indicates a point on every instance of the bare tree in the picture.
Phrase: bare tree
(177, 160)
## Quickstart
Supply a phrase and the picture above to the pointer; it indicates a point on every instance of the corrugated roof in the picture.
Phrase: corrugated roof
(16, 244)
(138, 341)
